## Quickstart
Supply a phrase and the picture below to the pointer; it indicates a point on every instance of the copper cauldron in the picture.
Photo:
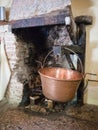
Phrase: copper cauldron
(60, 84)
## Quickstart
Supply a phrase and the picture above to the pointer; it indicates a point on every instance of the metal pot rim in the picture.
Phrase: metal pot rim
(53, 78)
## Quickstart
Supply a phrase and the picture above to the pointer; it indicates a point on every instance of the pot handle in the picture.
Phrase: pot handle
(77, 57)
(68, 50)
(46, 58)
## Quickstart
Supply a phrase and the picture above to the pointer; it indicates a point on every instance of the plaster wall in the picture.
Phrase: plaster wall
(6, 3)
(90, 7)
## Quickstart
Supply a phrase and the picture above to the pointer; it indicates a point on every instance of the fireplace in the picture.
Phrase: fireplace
(33, 46)
(41, 38)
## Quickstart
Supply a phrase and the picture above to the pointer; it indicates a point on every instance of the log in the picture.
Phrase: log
(53, 18)
(84, 19)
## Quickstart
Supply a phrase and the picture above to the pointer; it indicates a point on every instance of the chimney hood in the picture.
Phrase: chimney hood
(31, 13)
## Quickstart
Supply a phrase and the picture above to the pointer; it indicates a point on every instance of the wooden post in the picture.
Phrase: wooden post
(81, 22)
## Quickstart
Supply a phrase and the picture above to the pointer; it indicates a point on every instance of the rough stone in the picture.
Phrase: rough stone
(29, 8)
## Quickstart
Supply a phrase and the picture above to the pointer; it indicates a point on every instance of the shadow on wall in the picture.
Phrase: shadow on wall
(81, 6)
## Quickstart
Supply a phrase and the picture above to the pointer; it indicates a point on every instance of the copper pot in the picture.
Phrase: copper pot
(60, 84)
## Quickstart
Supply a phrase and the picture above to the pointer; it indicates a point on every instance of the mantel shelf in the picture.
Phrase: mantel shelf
(53, 18)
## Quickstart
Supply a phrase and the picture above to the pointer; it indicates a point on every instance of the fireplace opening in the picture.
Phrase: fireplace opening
(32, 48)
(34, 45)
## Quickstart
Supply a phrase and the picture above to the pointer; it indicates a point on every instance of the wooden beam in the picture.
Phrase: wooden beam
(3, 23)
(53, 18)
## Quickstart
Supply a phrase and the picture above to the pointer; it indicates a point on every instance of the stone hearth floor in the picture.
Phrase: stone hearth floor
(72, 118)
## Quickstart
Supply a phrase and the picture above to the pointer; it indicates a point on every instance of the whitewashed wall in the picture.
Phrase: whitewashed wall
(6, 3)
(90, 7)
